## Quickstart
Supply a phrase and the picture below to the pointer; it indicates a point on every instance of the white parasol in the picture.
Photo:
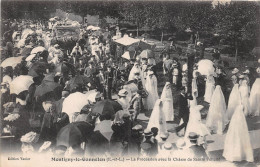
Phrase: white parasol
(74, 103)
(11, 61)
(37, 49)
(29, 58)
(91, 95)
(126, 55)
(20, 83)
(206, 67)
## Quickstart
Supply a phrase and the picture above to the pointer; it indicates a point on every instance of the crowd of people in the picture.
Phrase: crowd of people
(41, 74)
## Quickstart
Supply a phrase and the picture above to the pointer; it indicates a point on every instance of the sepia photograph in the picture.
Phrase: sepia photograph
(130, 83)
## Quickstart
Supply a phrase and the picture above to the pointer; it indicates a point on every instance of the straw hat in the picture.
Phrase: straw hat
(167, 146)
(180, 143)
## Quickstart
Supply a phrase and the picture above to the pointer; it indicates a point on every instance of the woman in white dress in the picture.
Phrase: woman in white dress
(167, 102)
(157, 118)
(237, 146)
(255, 96)
(136, 68)
(151, 88)
(216, 118)
(234, 101)
(244, 93)
(195, 124)
(210, 86)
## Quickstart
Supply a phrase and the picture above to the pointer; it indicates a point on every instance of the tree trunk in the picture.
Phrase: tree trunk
(137, 33)
(162, 37)
(236, 52)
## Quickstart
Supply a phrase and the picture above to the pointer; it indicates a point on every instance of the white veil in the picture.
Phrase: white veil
(237, 146)
(157, 118)
(216, 118)
(167, 100)
(234, 101)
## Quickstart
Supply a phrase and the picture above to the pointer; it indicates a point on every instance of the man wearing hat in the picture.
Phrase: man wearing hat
(184, 110)
(109, 77)
(77, 50)
(60, 119)
(196, 150)
(167, 64)
(22, 124)
(48, 130)
(90, 71)
(81, 65)
(134, 144)
(147, 143)
(234, 77)
(102, 65)
(101, 82)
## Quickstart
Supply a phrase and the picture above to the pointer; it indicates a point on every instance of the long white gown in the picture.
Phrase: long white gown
(157, 118)
(151, 88)
(244, 93)
(210, 87)
(237, 146)
(195, 124)
(167, 100)
(216, 118)
(254, 98)
(233, 101)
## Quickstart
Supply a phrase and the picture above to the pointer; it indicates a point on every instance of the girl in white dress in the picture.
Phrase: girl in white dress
(167, 102)
(136, 69)
(195, 124)
(244, 93)
(255, 96)
(210, 86)
(151, 88)
(237, 146)
(234, 101)
(157, 118)
(216, 118)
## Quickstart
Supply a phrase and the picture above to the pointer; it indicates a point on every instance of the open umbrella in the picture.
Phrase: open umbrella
(37, 49)
(21, 43)
(143, 45)
(38, 68)
(128, 55)
(115, 105)
(206, 67)
(74, 133)
(26, 32)
(53, 90)
(127, 41)
(104, 127)
(104, 108)
(147, 53)
(74, 103)
(11, 61)
(49, 77)
(78, 80)
(20, 83)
